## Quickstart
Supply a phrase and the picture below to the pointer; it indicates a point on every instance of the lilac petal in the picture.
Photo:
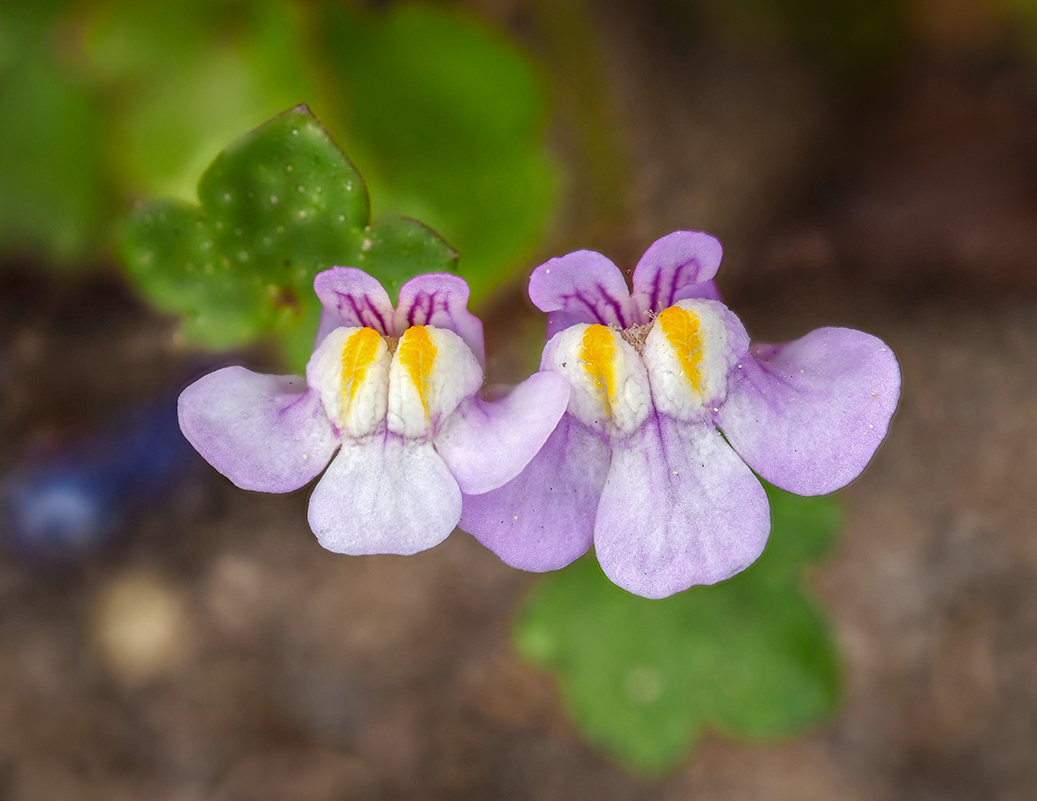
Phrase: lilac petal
(582, 287)
(544, 519)
(679, 508)
(808, 416)
(440, 299)
(352, 299)
(487, 443)
(706, 290)
(385, 494)
(263, 432)
(677, 267)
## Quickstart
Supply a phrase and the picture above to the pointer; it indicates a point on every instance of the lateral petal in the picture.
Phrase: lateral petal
(544, 518)
(809, 415)
(487, 443)
(263, 432)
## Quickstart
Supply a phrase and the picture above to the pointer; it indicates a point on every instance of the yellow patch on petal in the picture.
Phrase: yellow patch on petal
(598, 354)
(359, 353)
(417, 353)
(683, 331)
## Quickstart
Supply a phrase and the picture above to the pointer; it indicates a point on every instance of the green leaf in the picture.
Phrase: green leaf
(446, 119)
(186, 77)
(751, 656)
(277, 207)
(23, 28)
(803, 529)
(52, 189)
(445, 115)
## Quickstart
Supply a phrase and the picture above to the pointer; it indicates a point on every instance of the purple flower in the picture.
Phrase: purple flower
(637, 464)
(395, 392)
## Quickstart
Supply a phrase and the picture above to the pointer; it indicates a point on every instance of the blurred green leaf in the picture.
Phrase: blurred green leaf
(445, 114)
(277, 207)
(52, 189)
(446, 119)
(750, 656)
(188, 76)
(23, 27)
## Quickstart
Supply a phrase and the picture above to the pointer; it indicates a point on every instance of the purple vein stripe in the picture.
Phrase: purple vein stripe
(365, 312)
(425, 305)
(677, 280)
(597, 305)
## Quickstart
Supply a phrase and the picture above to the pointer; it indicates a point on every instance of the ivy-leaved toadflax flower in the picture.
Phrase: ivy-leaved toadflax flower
(395, 392)
(638, 465)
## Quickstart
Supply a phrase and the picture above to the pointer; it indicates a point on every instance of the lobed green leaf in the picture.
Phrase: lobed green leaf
(643, 679)
(277, 207)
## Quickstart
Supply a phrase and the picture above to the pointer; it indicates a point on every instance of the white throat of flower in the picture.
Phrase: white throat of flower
(369, 382)
(676, 363)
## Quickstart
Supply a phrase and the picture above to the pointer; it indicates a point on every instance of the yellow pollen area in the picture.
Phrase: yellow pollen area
(417, 353)
(359, 353)
(682, 330)
(598, 353)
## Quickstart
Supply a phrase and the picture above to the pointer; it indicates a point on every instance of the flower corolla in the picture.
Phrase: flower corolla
(395, 392)
(638, 465)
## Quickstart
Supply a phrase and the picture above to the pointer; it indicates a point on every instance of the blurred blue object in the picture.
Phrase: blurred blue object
(58, 509)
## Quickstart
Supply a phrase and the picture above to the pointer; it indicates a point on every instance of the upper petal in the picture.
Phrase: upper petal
(681, 265)
(582, 287)
(384, 494)
(440, 299)
(487, 443)
(544, 518)
(808, 416)
(678, 508)
(352, 299)
(263, 432)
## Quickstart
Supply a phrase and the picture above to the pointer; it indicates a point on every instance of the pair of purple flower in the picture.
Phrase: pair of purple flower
(616, 441)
